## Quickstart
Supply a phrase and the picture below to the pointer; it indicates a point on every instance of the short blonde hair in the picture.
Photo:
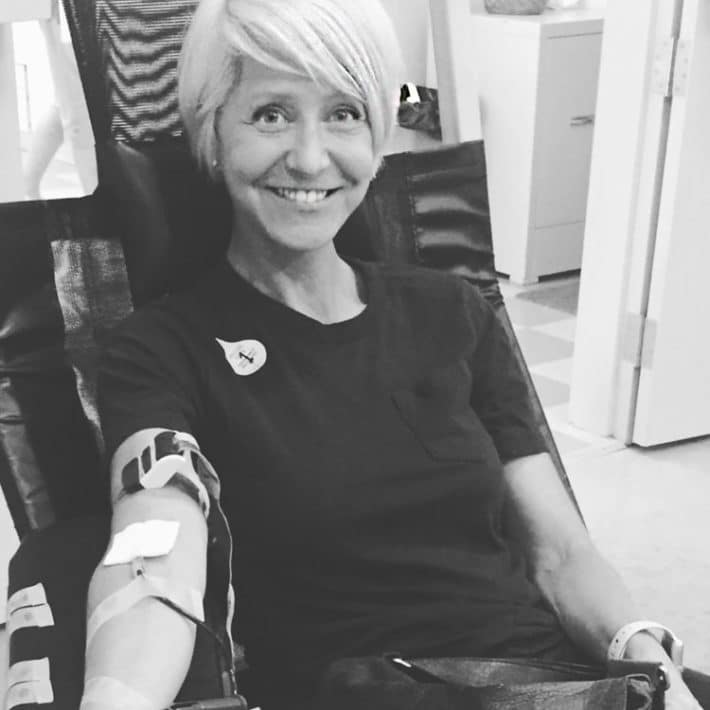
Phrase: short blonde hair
(346, 45)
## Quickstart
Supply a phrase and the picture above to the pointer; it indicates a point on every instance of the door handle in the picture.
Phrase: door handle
(582, 120)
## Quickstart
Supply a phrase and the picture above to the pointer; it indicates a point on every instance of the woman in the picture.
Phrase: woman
(367, 423)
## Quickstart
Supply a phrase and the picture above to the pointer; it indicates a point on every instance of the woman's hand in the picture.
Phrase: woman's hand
(644, 646)
(678, 696)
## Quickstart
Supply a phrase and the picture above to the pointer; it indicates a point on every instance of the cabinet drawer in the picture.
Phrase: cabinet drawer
(569, 73)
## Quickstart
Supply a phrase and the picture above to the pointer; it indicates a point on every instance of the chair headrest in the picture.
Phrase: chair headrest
(428, 208)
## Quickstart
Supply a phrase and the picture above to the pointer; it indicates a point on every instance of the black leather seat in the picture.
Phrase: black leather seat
(72, 268)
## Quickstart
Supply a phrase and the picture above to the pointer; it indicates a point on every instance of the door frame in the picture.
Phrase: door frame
(620, 223)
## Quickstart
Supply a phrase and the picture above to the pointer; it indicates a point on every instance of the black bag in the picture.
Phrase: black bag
(393, 683)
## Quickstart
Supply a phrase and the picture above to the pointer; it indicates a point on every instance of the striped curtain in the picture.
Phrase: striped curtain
(139, 42)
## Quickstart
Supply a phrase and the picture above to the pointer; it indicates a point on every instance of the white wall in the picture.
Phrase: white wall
(31, 56)
(34, 81)
(411, 20)
(620, 124)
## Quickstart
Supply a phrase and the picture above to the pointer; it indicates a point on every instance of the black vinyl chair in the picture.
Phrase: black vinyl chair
(70, 269)
(67, 282)
(428, 209)
(73, 268)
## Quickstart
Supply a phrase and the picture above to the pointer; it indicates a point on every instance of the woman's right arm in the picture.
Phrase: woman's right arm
(147, 648)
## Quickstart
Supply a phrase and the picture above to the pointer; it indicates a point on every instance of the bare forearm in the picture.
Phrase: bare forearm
(593, 604)
(148, 646)
(589, 598)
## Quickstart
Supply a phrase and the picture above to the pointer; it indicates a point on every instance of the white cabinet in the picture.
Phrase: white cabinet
(537, 83)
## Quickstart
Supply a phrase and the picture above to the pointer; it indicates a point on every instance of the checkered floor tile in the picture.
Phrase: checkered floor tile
(546, 336)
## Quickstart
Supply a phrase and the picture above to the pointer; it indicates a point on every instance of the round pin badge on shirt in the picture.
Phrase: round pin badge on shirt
(245, 357)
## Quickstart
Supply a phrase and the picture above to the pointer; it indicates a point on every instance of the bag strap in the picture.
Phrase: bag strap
(515, 671)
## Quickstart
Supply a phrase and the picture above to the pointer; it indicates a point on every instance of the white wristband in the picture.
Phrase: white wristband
(672, 645)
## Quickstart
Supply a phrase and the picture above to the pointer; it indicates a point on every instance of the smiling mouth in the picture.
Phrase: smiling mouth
(304, 197)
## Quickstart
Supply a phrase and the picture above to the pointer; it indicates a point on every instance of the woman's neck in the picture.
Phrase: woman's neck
(318, 284)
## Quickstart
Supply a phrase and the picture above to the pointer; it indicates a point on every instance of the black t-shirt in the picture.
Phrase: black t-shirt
(360, 465)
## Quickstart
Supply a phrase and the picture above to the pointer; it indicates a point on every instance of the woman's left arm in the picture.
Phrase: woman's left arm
(588, 596)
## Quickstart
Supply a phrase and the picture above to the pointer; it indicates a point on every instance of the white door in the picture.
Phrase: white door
(673, 399)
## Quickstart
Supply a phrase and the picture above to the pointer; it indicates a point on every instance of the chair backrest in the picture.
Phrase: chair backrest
(73, 268)
(46, 442)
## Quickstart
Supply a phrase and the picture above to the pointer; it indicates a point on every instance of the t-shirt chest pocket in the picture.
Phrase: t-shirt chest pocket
(438, 412)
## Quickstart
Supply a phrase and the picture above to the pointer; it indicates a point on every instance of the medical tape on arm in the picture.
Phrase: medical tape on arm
(28, 596)
(171, 458)
(153, 538)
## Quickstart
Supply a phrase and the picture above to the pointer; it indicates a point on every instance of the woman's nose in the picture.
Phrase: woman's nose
(309, 154)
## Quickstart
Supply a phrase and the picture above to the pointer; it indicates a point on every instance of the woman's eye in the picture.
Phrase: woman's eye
(270, 117)
(346, 114)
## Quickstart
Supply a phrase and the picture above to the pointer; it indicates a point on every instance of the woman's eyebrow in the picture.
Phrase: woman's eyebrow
(287, 96)
(267, 96)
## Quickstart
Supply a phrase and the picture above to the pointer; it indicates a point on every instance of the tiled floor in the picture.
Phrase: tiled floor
(546, 336)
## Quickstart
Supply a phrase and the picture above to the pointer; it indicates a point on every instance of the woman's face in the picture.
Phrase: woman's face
(296, 158)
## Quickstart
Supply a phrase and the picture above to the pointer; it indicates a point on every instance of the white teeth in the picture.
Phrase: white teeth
(303, 196)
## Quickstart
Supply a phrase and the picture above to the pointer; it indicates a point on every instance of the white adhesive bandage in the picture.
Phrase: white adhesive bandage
(31, 616)
(28, 672)
(171, 458)
(29, 596)
(29, 693)
(107, 693)
(152, 538)
(142, 587)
